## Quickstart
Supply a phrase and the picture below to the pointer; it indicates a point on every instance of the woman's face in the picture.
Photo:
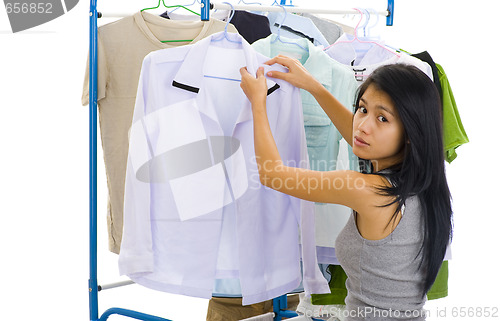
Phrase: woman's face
(378, 133)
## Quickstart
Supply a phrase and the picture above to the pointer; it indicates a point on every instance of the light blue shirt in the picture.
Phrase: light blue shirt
(326, 148)
(323, 138)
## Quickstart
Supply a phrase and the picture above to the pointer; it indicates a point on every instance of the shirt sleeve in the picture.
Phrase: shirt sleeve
(136, 254)
(102, 74)
(454, 134)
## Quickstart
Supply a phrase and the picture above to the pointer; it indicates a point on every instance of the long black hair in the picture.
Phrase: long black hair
(422, 170)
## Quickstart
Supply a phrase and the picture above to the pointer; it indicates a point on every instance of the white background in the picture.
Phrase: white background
(44, 162)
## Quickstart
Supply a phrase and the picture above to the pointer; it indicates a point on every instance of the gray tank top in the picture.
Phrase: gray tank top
(383, 279)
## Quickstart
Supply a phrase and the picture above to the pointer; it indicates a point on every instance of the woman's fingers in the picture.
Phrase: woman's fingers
(282, 60)
(244, 72)
(279, 75)
(255, 88)
(260, 72)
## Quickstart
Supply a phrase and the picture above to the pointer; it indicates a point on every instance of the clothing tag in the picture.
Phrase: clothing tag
(359, 74)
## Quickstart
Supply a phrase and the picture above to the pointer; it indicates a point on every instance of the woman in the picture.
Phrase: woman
(394, 243)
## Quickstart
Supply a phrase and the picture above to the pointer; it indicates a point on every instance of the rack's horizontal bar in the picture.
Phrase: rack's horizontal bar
(114, 285)
(114, 14)
(222, 6)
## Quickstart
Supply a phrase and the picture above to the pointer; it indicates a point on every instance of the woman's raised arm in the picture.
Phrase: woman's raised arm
(348, 188)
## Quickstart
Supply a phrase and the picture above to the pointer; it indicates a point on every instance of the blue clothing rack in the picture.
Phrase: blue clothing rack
(279, 304)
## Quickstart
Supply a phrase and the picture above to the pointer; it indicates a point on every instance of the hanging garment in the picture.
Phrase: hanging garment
(296, 27)
(250, 26)
(454, 134)
(330, 30)
(425, 56)
(122, 45)
(440, 287)
(338, 290)
(453, 130)
(364, 58)
(319, 312)
(195, 209)
(325, 144)
(223, 309)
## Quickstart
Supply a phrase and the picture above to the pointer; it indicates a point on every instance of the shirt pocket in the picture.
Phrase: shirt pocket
(317, 130)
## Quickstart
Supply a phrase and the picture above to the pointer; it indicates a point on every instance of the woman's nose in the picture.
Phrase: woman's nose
(364, 125)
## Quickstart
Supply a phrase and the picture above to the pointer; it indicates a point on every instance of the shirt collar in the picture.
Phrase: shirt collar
(145, 21)
(344, 51)
(298, 25)
(315, 62)
(190, 74)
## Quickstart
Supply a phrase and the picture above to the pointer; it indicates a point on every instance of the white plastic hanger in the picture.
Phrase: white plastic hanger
(368, 27)
(249, 3)
(224, 34)
(278, 38)
(187, 5)
(357, 39)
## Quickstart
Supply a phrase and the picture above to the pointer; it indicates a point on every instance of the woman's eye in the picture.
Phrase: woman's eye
(382, 118)
(362, 110)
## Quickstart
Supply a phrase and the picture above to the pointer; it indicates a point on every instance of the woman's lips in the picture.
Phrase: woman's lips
(360, 142)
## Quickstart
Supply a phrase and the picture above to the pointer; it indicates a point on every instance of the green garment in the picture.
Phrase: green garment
(453, 131)
(440, 287)
(338, 289)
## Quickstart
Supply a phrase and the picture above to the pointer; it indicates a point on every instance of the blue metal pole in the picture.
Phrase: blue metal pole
(205, 10)
(93, 306)
(390, 17)
(276, 309)
(288, 314)
(130, 314)
(283, 302)
(280, 308)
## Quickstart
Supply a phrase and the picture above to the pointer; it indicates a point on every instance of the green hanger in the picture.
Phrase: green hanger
(174, 6)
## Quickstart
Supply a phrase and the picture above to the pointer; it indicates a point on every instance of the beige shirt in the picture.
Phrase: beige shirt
(122, 46)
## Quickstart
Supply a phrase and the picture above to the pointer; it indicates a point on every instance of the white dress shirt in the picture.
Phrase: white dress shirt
(195, 209)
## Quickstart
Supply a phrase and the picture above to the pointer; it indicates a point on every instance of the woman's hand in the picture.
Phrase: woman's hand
(255, 88)
(297, 75)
